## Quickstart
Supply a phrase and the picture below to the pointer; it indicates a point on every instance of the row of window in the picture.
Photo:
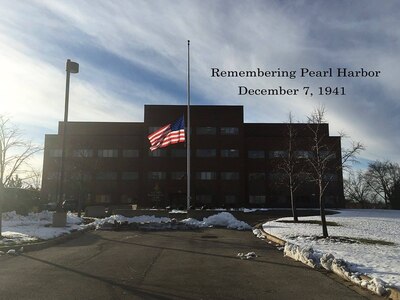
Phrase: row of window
(84, 176)
(200, 198)
(134, 153)
(230, 199)
(180, 175)
(128, 153)
(284, 154)
(254, 198)
(209, 130)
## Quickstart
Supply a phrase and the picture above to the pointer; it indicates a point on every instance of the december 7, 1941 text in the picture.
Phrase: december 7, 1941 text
(280, 90)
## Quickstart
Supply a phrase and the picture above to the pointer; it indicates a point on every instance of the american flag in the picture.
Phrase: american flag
(169, 134)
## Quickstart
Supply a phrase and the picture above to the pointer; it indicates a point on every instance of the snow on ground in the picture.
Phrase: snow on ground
(17, 229)
(222, 219)
(376, 260)
(121, 219)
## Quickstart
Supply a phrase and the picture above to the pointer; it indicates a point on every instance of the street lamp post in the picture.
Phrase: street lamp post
(1, 189)
(60, 217)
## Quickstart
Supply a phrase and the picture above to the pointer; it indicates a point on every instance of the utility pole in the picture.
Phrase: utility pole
(59, 218)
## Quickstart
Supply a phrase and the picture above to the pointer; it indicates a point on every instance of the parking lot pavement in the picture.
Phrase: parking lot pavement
(199, 264)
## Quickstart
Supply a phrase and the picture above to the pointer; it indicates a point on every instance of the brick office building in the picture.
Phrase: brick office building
(233, 164)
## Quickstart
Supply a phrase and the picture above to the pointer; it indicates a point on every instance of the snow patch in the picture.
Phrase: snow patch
(340, 267)
(129, 220)
(346, 255)
(258, 233)
(223, 219)
(18, 229)
(250, 255)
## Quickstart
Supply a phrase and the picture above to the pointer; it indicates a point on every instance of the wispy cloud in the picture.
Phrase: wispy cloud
(134, 52)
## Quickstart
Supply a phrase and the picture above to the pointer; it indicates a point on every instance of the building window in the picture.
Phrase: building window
(129, 175)
(103, 199)
(107, 153)
(178, 175)
(157, 175)
(130, 153)
(278, 154)
(55, 152)
(229, 153)
(257, 199)
(256, 154)
(230, 199)
(178, 152)
(303, 154)
(230, 175)
(204, 199)
(256, 176)
(229, 131)
(206, 130)
(82, 153)
(107, 176)
(206, 153)
(206, 175)
(158, 153)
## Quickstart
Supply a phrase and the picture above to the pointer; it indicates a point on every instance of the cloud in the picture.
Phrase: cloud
(133, 53)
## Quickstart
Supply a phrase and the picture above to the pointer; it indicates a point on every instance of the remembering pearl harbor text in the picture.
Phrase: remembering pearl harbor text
(324, 89)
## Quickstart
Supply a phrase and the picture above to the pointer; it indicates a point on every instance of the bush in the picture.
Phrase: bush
(21, 200)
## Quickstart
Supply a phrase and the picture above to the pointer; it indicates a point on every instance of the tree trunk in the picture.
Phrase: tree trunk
(1, 205)
(1, 219)
(293, 203)
(323, 219)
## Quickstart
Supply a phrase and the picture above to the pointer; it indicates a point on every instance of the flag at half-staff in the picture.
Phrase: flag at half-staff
(169, 134)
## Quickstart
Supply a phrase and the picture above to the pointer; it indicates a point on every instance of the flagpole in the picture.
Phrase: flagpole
(188, 131)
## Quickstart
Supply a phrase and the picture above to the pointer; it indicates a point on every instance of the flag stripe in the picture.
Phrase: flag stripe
(158, 132)
(159, 137)
(169, 134)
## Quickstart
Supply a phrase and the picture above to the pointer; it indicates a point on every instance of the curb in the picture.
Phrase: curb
(394, 293)
(270, 237)
(46, 243)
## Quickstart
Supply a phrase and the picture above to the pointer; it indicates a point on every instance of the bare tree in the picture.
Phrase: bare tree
(290, 165)
(34, 180)
(381, 177)
(82, 168)
(322, 153)
(15, 152)
(357, 190)
(318, 161)
(349, 155)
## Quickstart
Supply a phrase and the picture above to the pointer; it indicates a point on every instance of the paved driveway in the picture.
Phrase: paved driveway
(163, 265)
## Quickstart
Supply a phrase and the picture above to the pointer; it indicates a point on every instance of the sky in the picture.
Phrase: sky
(133, 53)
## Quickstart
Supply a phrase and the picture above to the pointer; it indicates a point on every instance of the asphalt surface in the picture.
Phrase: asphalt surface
(199, 264)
